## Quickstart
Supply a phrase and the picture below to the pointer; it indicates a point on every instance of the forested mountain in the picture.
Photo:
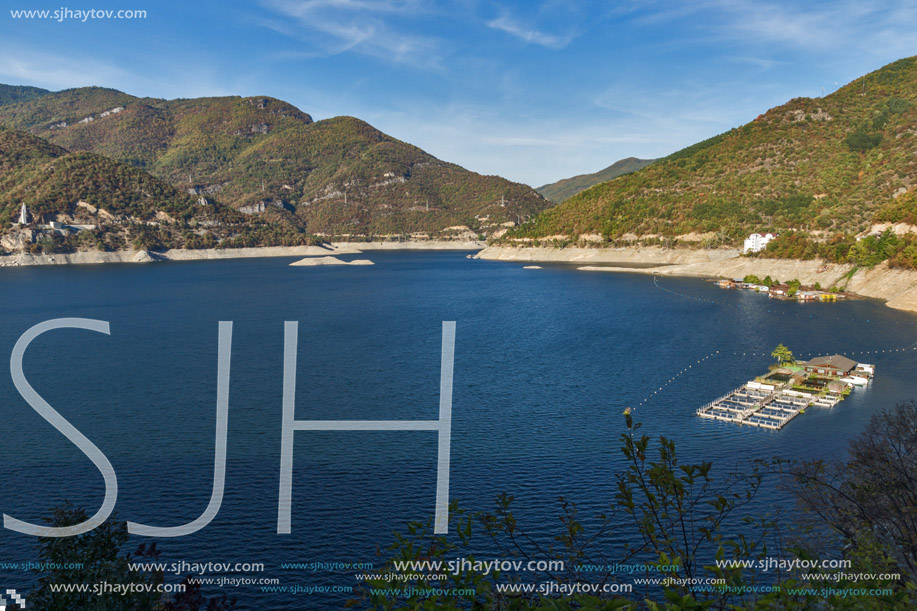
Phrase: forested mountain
(825, 167)
(261, 155)
(108, 205)
(10, 94)
(568, 187)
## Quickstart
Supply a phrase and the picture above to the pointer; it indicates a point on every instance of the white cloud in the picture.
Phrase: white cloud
(305, 7)
(339, 26)
(864, 25)
(566, 140)
(801, 25)
(511, 26)
(20, 64)
(763, 63)
(53, 71)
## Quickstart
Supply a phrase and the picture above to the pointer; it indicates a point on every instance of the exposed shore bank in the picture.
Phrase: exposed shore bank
(413, 245)
(896, 286)
(143, 256)
(642, 255)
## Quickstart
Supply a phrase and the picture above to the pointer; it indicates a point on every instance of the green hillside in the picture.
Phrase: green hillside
(338, 176)
(568, 187)
(822, 166)
(11, 94)
(50, 179)
(898, 248)
(902, 209)
(113, 205)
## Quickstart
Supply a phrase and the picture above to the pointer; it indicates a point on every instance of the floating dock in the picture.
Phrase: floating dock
(768, 406)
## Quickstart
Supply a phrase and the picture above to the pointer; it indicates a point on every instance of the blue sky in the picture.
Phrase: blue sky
(534, 91)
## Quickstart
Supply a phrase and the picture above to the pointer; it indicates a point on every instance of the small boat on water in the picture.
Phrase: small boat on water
(856, 380)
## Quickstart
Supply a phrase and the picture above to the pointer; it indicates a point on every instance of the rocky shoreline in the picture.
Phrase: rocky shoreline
(413, 245)
(631, 255)
(897, 287)
(145, 256)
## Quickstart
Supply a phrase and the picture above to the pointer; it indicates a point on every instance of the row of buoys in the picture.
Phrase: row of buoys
(760, 354)
(676, 376)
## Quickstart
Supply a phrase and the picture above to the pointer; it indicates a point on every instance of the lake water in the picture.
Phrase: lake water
(545, 363)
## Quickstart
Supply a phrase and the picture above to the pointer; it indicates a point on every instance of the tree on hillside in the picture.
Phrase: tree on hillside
(862, 140)
(783, 355)
(870, 500)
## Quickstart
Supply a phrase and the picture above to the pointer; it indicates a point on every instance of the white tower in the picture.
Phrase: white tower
(23, 216)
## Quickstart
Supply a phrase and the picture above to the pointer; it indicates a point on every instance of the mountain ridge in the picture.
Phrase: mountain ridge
(824, 166)
(566, 188)
(334, 177)
(10, 94)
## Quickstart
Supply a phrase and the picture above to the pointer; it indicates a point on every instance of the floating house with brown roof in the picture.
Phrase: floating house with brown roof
(835, 366)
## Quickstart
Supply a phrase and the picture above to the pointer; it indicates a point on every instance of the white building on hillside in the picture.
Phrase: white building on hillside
(756, 242)
(23, 216)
